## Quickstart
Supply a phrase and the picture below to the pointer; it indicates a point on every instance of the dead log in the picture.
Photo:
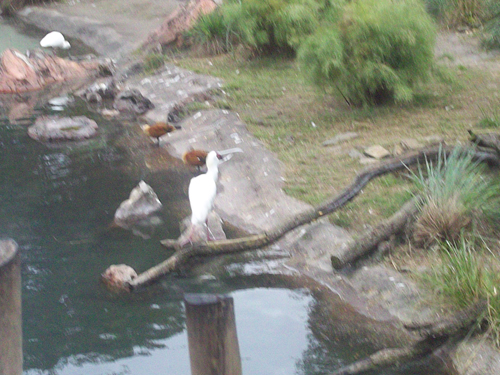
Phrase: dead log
(212, 338)
(488, 140)
(11, 348)
(328, 207)
(433, 336)
(369, 240)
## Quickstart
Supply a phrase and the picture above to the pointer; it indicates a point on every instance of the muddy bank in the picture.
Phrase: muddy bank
(251, 195)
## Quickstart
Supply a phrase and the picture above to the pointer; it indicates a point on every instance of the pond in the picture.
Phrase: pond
(57, 203)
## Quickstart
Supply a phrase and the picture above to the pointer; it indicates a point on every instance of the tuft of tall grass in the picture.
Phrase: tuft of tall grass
(457, 193)
(213, 33)
(154, 61)
(490, 119)
(466, 275)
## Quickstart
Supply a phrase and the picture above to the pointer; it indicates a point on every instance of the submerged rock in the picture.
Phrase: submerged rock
(142, 203)
(55, 128)
(21, 73)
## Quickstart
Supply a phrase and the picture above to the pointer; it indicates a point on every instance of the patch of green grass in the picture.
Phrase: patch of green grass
(490, 118)
(466, 275)
(153, 62)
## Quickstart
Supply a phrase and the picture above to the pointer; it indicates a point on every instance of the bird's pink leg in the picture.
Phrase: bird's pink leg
(210, 235)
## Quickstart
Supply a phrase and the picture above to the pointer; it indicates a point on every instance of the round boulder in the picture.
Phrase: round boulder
(118, 275)
(55, 128)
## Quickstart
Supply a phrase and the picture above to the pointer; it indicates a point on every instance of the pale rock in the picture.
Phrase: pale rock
(376, 152)
(55, 128)
(117, 275)
(142, 202)
(340, 138)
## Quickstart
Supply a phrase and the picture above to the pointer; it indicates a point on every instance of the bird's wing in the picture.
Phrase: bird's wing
(202, 191)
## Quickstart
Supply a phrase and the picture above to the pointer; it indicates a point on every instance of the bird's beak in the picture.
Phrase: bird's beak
(178, 127)
(230, 151)
(228, 154)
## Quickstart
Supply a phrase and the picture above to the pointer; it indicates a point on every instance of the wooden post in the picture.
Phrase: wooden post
(211, 327)
(11, 350)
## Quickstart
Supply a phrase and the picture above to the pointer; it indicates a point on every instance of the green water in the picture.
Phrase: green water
(57, 201)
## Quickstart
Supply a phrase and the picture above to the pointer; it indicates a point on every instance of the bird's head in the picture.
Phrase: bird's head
(66, 45)
(213, 159)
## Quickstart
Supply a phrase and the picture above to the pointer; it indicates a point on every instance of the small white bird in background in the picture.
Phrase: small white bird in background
(54, 39)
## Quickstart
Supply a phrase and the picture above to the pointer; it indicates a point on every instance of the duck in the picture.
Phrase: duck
(195, 158)
(158, 129)
(54, 39)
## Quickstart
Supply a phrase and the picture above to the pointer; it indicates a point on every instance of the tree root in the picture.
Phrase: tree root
(369, 240)
(433, 336)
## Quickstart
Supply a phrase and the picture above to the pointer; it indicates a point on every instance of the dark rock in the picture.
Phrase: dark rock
(55, 128)
(104, 88)
(132, 101)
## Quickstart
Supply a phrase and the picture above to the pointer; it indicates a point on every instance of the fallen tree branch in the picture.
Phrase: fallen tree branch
(433, 336)
(369, 240)
(328, 207)
(488, 140)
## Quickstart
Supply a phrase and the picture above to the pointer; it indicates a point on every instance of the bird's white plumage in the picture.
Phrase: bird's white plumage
(54, 39)
(202, 190)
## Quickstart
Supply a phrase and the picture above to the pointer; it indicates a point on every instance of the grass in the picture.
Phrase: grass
(457, 193)
(490, 118)
(468, 271)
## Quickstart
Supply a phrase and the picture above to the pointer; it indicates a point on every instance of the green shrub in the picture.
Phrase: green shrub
(379, 51)
(265, 25)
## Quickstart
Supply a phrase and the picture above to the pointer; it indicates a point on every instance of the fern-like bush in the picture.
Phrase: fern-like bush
(265, 25)
(378, 51)
(212, 32)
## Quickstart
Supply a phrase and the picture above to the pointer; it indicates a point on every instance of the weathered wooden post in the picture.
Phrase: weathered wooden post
(11, 350)
(211, 327)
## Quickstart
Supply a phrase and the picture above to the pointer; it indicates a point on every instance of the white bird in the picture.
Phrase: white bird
(55, 39)
(201, 192)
